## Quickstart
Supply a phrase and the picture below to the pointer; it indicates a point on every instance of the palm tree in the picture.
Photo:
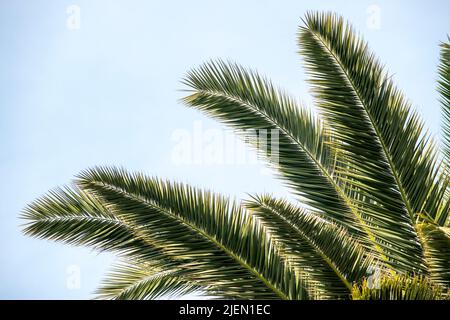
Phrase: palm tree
(372, 190)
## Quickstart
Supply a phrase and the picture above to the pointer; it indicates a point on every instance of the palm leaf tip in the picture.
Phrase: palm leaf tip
(134, 280)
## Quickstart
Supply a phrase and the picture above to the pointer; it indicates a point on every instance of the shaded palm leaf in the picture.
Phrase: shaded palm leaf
(436, 243)
(244, 100)
(370, 176)
(393, 160)
(76, 217)
(398, 288)
(306, 237)
(224, 246)
(137, 281)
(444, 91)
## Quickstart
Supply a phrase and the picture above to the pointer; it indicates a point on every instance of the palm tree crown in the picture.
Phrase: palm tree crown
(372, 190)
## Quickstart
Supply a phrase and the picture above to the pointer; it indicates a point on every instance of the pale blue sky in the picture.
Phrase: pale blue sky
(107, 93)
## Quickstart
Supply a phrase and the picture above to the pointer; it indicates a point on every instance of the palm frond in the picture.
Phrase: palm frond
(224, 246)
(77, 217)
(444, 91)
(436, 244)
(374, 192)
(138, 281)
(306, 237)
(245, 100)
(442, 196)
(398, 287)
(393, 161)
(442, 218)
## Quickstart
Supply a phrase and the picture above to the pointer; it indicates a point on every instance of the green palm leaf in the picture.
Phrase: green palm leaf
(398, 288)
(306, 237)
(244, 100)
(444, 91)
(442, 218)
(224, 246)
(436, 243)
(373, 191)
(137, 281)
(76, 217)
(393, 160)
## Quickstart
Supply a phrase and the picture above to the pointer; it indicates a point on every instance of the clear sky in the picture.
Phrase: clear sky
(99, 84)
